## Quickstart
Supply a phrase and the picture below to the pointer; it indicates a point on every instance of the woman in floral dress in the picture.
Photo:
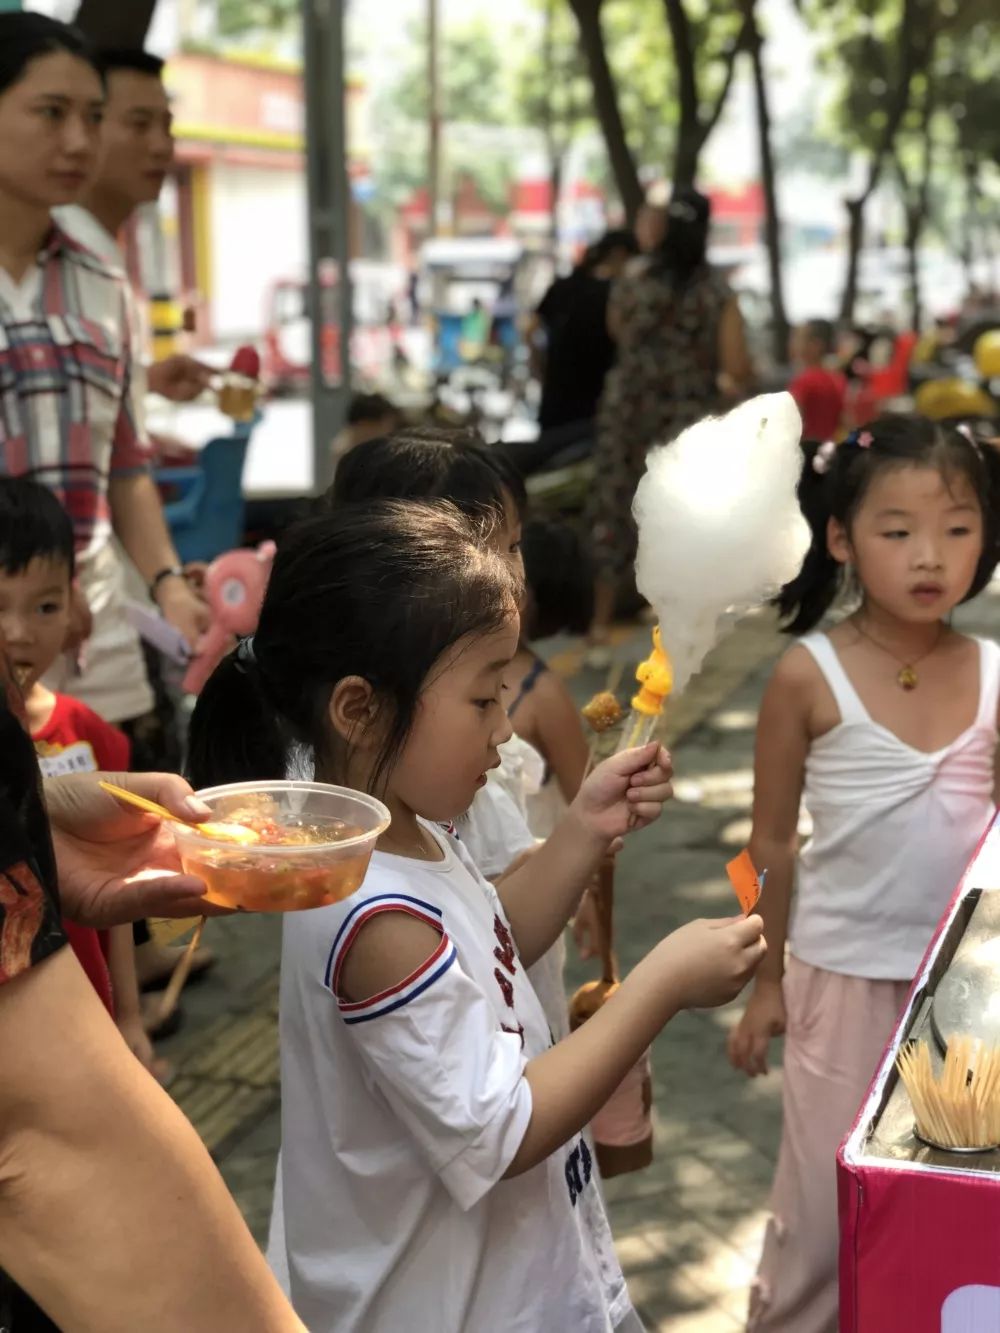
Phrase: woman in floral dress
(681, 354)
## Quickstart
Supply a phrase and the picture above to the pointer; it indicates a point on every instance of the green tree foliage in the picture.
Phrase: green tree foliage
(477, 101)
(238, 18)
(473, 84)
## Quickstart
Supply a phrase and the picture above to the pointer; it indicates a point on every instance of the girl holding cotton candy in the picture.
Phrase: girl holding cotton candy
(885, 726)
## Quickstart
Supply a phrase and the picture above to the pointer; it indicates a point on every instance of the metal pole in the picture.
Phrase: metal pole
(433, 119)
(329, 241)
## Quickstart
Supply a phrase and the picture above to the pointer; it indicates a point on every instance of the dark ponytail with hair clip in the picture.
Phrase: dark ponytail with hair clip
(804, 601)
(835, 480)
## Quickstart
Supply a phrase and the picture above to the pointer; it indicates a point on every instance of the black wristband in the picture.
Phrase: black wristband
(168, 572)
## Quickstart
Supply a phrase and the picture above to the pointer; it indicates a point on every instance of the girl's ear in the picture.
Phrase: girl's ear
(353, 711)
(838, 543)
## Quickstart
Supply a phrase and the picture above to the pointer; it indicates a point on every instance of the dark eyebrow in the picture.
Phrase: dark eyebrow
(63, 100)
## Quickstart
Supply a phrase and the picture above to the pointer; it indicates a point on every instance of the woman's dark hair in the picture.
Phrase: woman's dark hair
(33, 525)
(834, 482)
(370, 407)
(619, 238)
(429, 463)
(559, 578)
(26, 37)
(131, 58)
(379, 591)
(685, 241)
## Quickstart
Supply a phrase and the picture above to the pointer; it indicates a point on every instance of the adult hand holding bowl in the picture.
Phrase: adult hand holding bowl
(309, 844)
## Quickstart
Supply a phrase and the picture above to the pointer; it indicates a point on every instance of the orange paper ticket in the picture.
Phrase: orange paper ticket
(747, 884)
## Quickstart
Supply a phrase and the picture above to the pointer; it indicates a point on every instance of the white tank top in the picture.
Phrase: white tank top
(893, 830)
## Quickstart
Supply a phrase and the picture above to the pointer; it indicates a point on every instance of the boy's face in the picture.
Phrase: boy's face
(34, 616)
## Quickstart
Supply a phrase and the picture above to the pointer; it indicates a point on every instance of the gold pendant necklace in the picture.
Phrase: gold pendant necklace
(906, 677)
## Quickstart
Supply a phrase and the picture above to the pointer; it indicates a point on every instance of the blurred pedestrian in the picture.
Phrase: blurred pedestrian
(135, 156)
(67, 413)
(681, 353)
(572, 318)
(818, 389)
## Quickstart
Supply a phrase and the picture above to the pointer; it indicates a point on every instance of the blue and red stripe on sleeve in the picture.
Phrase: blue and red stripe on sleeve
(409, 987)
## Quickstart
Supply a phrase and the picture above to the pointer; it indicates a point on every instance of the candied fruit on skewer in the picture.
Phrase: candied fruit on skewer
(603, 712)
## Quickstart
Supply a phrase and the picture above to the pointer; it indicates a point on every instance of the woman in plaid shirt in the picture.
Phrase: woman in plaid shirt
(65, 364)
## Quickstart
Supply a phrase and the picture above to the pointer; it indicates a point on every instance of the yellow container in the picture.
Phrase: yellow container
(943, 400)
(986, 354)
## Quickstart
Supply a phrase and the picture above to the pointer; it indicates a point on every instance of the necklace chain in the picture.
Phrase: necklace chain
(906, 678)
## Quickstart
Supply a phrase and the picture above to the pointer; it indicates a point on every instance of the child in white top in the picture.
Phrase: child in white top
(434, 1170)
(886, 728)
(455, 464)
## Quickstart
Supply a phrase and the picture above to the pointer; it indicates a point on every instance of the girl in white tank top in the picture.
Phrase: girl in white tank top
(885, 728)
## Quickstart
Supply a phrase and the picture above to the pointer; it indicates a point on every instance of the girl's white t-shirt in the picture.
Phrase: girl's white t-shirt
(400, 1116)
(893, 829)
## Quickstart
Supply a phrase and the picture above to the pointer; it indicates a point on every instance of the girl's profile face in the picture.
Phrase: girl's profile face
(49, 130)
(460, 721)
(915, 542)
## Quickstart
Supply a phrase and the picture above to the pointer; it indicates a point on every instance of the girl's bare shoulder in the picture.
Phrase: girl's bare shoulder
(796, 671)
(798, 691)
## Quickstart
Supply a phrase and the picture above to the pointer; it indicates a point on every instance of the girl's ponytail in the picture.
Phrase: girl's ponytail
(235, 734)
(804, 601)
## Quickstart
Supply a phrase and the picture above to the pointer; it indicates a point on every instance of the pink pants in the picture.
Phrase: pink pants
(837, 1028)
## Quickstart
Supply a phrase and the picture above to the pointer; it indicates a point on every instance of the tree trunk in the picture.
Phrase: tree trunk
(914, 227)
(855, 240)
(556, 165)
(772, 220)
(689, 131)
(916, 47)
(971, 171)
(588, 17)
(686, 155)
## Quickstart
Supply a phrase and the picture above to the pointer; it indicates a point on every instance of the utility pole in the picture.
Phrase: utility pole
(329, 243)
(433, 119)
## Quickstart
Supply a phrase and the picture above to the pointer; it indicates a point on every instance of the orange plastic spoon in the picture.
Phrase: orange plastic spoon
(222, 830)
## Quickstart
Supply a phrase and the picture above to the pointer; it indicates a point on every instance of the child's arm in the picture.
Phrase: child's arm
(499, 1117)
(779, 767)
(543, 894)
(560, 735)
(125, 989)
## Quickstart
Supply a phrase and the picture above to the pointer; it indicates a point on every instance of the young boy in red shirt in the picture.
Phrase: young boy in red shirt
(818, 390)
(36, 576)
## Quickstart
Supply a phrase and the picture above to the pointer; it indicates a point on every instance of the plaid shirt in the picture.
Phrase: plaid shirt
(65, 404)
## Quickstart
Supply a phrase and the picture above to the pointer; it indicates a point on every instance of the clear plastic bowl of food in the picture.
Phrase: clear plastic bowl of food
(311, 844)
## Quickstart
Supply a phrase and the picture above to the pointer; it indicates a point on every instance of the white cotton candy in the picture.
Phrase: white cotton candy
(720, 528)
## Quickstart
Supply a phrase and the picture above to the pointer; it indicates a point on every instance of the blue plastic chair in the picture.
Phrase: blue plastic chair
(207, 516)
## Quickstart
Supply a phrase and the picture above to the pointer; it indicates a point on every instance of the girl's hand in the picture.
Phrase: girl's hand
(714, 960)
(625, 792)
(763, 1018)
